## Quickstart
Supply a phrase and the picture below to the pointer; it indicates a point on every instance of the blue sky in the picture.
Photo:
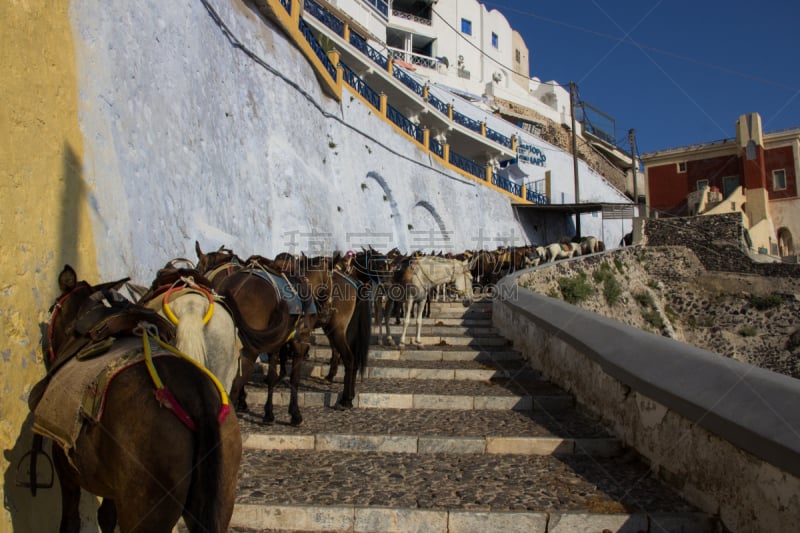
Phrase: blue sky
(677, 72)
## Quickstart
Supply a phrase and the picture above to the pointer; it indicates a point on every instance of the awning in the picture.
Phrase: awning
(610, 210)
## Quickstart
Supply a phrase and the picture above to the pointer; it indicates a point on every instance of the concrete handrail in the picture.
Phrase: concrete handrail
(698, 395)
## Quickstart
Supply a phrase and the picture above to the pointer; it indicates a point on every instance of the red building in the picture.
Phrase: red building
(755, 173)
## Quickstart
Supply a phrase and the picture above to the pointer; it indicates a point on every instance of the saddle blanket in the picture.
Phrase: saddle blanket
(76, 392)
(288, 293)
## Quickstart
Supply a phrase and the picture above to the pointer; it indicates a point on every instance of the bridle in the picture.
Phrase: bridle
(54, 310)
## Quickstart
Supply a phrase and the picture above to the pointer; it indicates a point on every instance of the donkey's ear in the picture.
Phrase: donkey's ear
(67, 279)
(197, 249)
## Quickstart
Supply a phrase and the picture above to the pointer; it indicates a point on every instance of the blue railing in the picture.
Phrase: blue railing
(324, 16)
(467, 165)
(404, 123)
(536, 197)
(288, 5)
(381, 6)
(305, 29)
(354, 81)
(361, 43)
(408, 81)
(464, 120)
(498, 137)
(436, 147)
(438, 104)
(506, 184)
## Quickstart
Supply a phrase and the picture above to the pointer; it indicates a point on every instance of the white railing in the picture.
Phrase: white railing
(412, 58)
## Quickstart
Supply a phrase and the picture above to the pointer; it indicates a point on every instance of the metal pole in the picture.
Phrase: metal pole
(632, 139)
(573, 97)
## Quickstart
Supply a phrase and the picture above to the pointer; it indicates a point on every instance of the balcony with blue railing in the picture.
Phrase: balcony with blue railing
(402, 122)
(438, 104)
(506, 184)
(287, 4)
(353, 80)
(408, 81)
(305, 29)
(436, 147)
(468, 122)
(361, 43)
(467, 165)
(324, 16)
(536, 197)
(380, 6)
(498, 137)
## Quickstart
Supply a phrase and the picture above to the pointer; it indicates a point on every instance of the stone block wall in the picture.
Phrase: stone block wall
(718, 241)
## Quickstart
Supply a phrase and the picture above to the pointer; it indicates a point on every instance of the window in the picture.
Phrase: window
(682, 166)
(778, 180)
(466, 26)
(495, 40)
(729, 184)
(702, 184)
(518, 55)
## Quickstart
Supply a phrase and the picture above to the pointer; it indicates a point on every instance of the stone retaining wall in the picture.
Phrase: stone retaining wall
(720, 431)
(718, 240)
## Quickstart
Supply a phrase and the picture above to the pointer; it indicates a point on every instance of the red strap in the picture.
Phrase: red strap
(166, 399)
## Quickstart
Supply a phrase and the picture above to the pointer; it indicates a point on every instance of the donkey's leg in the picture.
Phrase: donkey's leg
(272, 380)
(300, 350)
(70, 493)
(107, 516)
(238, 395)
(409, 305)
(418, 338)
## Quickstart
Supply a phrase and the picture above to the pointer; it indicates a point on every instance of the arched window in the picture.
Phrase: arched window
(785, 243)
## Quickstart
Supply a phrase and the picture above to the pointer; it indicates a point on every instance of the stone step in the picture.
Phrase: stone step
(435, 329)
(517, 394)
(484, 369)
(434, 431)
(298, 490)
(413, 353)
(430, 341)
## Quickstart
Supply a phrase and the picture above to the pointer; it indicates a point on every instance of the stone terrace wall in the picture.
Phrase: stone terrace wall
(718, 240)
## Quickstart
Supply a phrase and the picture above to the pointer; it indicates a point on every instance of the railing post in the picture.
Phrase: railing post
(390, 64)
(450, 111)
(514, 143)
(488, 173)
(383, 102)
(523, 192)
(446, 152)
(333, 56)
(426, 138)
(346, 32)
(425, 92)
(297, 7)
(483, 129)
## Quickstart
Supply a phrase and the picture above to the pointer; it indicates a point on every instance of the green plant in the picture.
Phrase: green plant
(672, 315)
(620, 266)
(385, 198)
(748, 331)
(338, 208)
(602, 273)
(410, 227)
(575, 289)
(653, 318)
(331, 144)
(653, 285)
(363, 186)
(765, 302)
(612, 290)
(645, 299)
(552, 293)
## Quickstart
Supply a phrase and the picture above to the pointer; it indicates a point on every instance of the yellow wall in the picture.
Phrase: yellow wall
(44, 220)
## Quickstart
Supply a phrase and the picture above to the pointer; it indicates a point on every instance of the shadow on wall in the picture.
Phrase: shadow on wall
(42, 512)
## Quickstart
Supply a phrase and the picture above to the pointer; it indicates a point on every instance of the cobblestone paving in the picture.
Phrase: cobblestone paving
(470, 481)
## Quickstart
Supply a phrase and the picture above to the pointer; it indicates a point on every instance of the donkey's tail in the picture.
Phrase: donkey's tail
(190, 339)
(359, 332)
(215, 460)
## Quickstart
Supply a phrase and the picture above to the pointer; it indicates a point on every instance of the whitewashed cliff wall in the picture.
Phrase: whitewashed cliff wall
(190, 137)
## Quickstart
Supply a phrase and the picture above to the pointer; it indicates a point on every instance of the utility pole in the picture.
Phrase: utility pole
(632, 139)
(573, 100)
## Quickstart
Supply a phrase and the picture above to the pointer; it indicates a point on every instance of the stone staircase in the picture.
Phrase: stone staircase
(457, 436)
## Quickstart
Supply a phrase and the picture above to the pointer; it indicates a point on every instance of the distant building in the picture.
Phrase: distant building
(755, 173)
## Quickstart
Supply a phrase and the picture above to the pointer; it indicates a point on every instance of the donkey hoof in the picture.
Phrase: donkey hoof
(296, 420)
(268, 420)
(389, 341)
(343, 406)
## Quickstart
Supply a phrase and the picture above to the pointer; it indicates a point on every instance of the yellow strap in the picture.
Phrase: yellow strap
(151, 369)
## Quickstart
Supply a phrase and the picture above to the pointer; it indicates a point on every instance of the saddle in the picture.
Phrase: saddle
(104, 318)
